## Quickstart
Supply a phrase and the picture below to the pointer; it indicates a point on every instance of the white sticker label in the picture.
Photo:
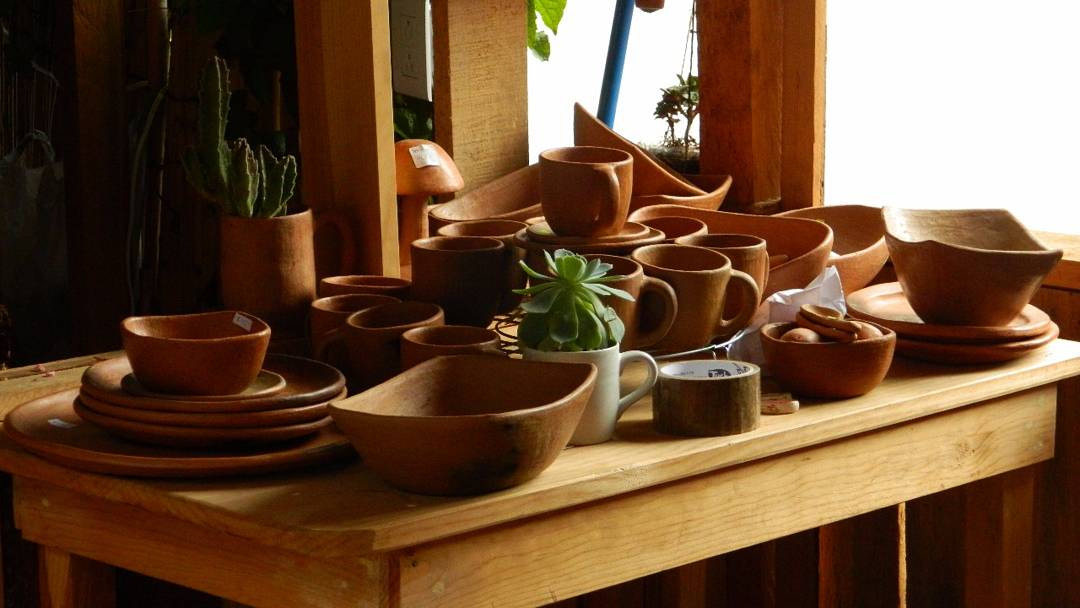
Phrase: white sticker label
(242, 321)
(425, 155)
(63, 424)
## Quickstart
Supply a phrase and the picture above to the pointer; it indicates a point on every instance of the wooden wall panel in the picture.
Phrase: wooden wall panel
(802, 158)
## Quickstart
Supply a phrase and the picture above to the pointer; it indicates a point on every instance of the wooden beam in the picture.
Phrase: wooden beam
(346, 123)
(71, 581)
(802, 149)
(859, 560)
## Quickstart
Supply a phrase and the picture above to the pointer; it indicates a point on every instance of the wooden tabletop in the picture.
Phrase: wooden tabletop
(345, 510)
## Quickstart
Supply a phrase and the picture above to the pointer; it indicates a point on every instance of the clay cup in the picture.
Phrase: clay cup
(746, 252)
(460, 274)
(585, 191)
(422, 343)
(649, 317)
(330, 313)
(503, 230)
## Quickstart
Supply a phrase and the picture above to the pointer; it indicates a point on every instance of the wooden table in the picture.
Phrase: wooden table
(600, 515)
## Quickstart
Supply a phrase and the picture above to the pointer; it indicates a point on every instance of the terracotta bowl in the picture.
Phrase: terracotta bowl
(806, 243)
(858, 252)
(214, 353)
(466, 424)
(965, 267)
(827, 369)
(675, 226)
(515, 196)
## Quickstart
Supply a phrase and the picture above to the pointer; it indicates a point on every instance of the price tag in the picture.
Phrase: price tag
(241, 321)
(425, 155)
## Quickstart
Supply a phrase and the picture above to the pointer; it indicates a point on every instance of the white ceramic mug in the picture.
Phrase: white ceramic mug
(606, 405)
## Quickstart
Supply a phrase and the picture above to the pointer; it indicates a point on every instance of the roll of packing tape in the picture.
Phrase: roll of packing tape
(707, 397)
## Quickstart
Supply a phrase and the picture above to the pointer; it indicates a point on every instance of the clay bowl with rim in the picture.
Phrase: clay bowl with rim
(676, 226)
(515, 196)
(466, 424)
(835, 370)
(365, 283)
(422, 343)
(859, 251)
(966, 267)
(806, 243)
(214, 353)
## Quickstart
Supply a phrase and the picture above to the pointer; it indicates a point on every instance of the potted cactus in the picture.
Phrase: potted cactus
(267, 255)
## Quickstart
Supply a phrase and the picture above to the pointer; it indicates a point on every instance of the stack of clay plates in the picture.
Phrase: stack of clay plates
(112, 424)
(886, 305)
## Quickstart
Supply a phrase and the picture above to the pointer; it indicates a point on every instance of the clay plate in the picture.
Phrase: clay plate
(306, 382)
(269, 418)
(49, 427)
(886, 305)
(970, 354)
(266, 384)
(542, 233)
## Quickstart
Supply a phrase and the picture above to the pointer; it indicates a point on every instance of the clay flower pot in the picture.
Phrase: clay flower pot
(859, 251)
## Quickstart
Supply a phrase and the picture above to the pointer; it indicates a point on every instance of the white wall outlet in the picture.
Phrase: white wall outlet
(411, 57)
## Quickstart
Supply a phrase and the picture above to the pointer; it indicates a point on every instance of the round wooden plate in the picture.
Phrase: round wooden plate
(268, 418)
(306, 382)
(542, 233)
(970, 354)
(886, 305)
(266, 384)
(49, 427)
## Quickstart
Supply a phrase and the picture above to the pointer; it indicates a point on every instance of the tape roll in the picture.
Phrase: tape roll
(707, 397)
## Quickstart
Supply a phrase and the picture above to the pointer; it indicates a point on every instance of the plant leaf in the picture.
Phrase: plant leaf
(607, 290)
(571, 267)
(563, 320)
(616, 328)
(596, 269)
(533, 330)
(542, 302)
(551, 12)
(592, 334)
(532, 273)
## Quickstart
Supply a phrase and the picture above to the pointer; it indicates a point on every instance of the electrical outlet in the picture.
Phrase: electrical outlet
(411, 58)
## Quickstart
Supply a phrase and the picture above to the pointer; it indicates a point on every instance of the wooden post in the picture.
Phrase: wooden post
(859, 560)
(802, 148)
(346, 123)
(71, 581)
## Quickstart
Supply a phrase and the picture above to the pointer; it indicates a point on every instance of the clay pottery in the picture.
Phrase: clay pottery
(534, 252)
(858, 251)
(802, 245)
(462, 274)
(266, 384)
(585, 191)
(466, 424)
(268, 267)
(836, 370)
(515, 196)
(215, 353)
(365, 283)
(649, 5)
(330, 313)
(706, 398)
(746, 252)
(607, 402)
(971, 354)
(541, 232)
(702, 280)
(423, 169)
(503, 230)
(267, 418)
(711, 200)
(674, 227)
(422, 343)
(965, 267)
(649, 317)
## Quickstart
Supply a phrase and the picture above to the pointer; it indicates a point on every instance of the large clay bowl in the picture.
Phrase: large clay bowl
(710, 200)
(466, 424)
(859, 251)
(834, 370)
(965, 267)
(806, 243)
(214, 353)
(515, 196)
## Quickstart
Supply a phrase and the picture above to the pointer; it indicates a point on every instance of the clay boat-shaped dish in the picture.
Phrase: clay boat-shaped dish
(515, 196)
(858, 252)
(466, 424)
(966, 267)
(805, 243)
(834, 370)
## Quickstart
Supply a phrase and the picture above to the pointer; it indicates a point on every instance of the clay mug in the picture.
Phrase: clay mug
(746, 252)
(459, 273)
(372, 339)
(364, 283)
(503, 230)
(606, 404)
(649, 317)
(702, 279)
(330, 313)
(585, 191)
(422, 343)
(676, 226)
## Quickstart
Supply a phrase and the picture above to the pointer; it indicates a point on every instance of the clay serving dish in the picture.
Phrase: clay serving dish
(806, 243)
(214, 353)
(965, 267)
(858, 252)
(835, 370)
(515, 196)
(466, 424)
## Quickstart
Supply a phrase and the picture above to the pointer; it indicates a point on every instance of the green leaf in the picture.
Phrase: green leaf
(616, 328)
(570, 267)
(551, 11)
(592, 335)
(542, 302)
(532, 273)
(596, 269)
(536, 40)
(607, 290)
(563, 320)
(532, 290)
(533, 330)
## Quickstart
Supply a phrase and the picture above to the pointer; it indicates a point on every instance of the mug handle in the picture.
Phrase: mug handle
(646, 386)
(666, 295)
(340, 224)
(749, 295)
(608, 214)
(332, 338)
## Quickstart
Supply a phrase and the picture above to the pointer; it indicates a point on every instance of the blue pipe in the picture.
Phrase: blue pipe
(616, 56)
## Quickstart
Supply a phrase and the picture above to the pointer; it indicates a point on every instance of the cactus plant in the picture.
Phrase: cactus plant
(230, 173)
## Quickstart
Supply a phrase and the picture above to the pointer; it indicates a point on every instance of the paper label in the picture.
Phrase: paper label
(242, 322)
(62, 424)
(425, 155)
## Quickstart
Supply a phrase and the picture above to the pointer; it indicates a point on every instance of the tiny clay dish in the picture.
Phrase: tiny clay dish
(836, 370)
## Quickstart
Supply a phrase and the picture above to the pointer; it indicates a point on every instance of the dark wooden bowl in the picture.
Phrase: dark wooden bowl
(827, 369)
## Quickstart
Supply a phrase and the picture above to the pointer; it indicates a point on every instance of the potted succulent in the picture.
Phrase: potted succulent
(267, 256)
(567, 320)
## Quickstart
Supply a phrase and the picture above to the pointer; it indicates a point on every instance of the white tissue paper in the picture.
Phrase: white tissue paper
(824, 290)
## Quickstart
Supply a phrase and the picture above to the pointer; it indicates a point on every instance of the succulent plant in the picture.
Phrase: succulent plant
(231, 174)
(564, 311)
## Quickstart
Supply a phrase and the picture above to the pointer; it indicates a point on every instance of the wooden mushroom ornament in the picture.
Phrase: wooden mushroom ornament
(424, 169)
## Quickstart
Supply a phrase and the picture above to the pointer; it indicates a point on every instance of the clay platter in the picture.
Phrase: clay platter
(971, 354)
(268, 418)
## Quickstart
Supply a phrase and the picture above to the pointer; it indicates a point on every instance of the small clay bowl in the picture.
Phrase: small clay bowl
(365, 283)
(466, 424)
(675, 227)
(214, 353)
(422, 343)
(836, 370)
(858, 251)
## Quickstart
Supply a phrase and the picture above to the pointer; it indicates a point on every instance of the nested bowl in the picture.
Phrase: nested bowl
(466, 424)
(965, 267)
(858, 251)
(835, 370)
(514, 196)
(214, 353)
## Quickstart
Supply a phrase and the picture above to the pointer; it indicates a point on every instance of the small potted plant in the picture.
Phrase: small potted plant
(678, 108)
(567, 320)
